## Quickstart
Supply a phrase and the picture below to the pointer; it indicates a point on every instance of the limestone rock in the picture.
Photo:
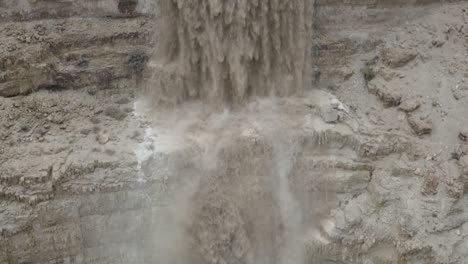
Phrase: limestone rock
(420, 126)
(396, 58)
(410, 105)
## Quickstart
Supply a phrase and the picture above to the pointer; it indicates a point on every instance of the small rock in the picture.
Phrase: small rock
(418, 172)
(410, 105)
(25, 128)
(95, 120)
(92, 91)
(85, 131)
(421, 126)
(438, 43)
(41, 131)
(463, 135)
(57, 119)
(459, 152)
(460, 91)
(329, 114)
(389, 96)
(102, 137)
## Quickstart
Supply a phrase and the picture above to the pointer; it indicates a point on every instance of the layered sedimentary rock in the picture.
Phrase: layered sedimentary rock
(70, 45)
(86, 179)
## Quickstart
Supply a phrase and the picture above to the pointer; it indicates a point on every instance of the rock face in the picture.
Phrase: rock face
(64, 52)
(90, 174)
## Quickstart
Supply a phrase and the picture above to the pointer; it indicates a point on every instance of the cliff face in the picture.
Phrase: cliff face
(71, 44)
(376, 171)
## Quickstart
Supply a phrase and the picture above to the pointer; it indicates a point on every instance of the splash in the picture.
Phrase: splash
(225, 52)
(292, 251)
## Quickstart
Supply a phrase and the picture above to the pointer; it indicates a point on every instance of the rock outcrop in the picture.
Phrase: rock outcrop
(88, 176)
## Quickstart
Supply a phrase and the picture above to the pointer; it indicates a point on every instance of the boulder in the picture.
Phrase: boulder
(410, 105)
(396, 58)
(329, 114)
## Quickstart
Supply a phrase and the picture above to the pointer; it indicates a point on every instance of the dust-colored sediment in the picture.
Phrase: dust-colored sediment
(225, 52)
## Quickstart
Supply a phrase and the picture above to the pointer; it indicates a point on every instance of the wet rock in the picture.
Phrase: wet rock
(410, 105)
(421, 126)
(395, 58)
(389, 96)
(329, 114)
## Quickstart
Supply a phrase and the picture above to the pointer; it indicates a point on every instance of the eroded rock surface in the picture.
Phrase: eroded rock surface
(92, 173)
